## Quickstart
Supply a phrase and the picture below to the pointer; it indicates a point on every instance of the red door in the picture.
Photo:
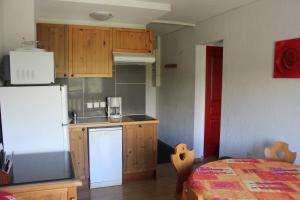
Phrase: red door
(214, 65)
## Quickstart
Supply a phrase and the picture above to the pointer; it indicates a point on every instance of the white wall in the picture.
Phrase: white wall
(199, 104)
(256, 109)
(1, 28)
(19, 23)
(175, 96)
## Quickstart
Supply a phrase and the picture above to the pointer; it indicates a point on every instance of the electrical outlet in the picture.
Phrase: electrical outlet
(96, 104)
(89, 105)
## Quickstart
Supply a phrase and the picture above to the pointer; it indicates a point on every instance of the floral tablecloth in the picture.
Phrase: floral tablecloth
(251, 179)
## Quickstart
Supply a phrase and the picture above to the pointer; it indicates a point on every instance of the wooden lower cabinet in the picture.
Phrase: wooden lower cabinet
(57, 194)
(79, 150)
(53, 190)
(139, 150)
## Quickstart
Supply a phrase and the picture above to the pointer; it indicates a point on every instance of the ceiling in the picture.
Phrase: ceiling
(193, 11)
(134, 12)
(126, 12)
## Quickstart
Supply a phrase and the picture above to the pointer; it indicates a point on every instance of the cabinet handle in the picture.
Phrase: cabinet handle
(83, 129)
(104, 43)
(140, 126)
(65, 75)
(72, 75)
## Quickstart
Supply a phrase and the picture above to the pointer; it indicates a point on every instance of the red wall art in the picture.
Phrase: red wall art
(287, 59)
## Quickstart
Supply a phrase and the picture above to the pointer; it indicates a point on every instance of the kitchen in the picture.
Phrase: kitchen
(128, 99)
(84, 88)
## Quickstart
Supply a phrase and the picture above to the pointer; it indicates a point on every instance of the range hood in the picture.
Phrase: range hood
(123, 58)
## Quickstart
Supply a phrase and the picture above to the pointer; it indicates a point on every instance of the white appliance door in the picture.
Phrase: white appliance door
(105, 157)
(32, 119)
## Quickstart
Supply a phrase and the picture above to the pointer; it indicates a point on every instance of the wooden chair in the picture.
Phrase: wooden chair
(280, 151)
(182, 160)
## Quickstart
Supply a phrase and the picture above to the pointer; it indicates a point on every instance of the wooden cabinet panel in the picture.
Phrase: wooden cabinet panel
(79, 148)
(54, 38)
(140, 144)
(147, 144)
(54, 194)
(132, 40)
(130, 147)
(90, 51)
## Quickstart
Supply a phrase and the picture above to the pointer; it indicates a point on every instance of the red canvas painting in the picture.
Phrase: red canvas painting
(287, 59)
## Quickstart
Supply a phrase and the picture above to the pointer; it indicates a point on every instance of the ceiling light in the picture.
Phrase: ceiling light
(101, 15)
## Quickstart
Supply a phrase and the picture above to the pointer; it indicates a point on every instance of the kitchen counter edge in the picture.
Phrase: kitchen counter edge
(111, 124)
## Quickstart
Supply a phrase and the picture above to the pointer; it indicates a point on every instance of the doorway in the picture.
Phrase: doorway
(213, 99)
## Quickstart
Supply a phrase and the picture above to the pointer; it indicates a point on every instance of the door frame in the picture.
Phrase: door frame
(200, 95)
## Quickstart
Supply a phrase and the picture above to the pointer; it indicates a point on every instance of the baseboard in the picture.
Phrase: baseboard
(139, 176)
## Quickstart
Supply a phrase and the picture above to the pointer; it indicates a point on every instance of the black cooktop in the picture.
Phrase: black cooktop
(140, 117)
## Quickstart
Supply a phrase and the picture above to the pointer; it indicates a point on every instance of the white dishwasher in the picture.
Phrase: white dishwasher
(105, 156)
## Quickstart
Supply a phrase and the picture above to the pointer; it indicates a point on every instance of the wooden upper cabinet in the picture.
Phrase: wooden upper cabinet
(90, 51)
(132, 40)
(53, 37)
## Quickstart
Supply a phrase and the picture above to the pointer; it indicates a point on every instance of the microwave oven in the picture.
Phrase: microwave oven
(31, 67)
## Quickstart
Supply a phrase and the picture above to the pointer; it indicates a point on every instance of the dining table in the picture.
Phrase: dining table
(243, 179)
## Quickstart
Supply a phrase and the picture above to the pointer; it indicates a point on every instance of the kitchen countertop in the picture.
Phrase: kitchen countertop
(104, 121)
(41, 167)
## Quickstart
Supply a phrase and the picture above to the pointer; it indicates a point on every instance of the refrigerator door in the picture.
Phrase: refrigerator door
(105, 157)
(65, 116)
(32, 119)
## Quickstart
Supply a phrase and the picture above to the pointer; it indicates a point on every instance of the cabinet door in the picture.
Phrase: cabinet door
(132, 40)
(146, 149)
(91, 51)
(53, 37)
(78, 146)
(130, 148)
(55, 194)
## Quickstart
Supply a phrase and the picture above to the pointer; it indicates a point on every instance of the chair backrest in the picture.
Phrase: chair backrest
(182, 160)
(280, 151)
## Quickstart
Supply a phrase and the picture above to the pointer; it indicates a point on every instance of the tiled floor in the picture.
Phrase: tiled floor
(163, 188)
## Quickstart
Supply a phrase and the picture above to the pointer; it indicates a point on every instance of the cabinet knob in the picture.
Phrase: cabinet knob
(140, 126)
(65, 75)
(72, 75)
(83, 129)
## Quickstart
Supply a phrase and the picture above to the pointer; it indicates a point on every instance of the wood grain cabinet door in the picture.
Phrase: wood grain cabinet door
(53, 38)
(78, 146)
(132, 40)
(130, 148)
(146, 150)
(140, 147)
(90, 51)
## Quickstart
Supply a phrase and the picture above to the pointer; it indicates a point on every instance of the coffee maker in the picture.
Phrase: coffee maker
(114, 107)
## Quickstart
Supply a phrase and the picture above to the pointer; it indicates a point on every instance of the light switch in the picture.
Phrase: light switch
(102, 104)
(89, 105)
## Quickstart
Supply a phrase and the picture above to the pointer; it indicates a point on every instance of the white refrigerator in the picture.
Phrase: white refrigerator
(34, 119)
